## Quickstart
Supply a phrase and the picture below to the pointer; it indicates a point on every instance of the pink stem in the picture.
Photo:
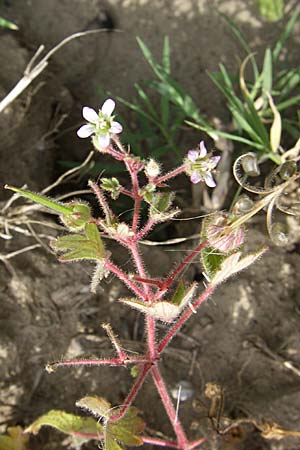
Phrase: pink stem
(156, 283)
(167, 402)
(120, 274)
(160, 442)
(139, 236)
(182, 319)
(197, 443)
(109, 215)
(134, 390)
(97, 362)
(126, 192)
(135, 190)
(145, 439)
(139, 264)
(172, 174)
(168, 282)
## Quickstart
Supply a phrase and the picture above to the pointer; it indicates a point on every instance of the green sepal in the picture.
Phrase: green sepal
(15, 439)
(161, 202)
(54, 205)
(111, 185)
(69, 424)
(211, 258)
(78, 246)
(124, 431)
(80, 216)
(179, 293)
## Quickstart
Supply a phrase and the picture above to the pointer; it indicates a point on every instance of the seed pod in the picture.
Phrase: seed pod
(243, 205)
(250, 165)
(288, 169)
(279, 234)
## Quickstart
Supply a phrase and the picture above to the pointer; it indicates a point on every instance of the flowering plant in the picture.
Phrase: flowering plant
(166, 299)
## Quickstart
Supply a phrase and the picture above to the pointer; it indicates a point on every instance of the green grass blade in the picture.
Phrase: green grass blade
(286, 32)
(241, 39)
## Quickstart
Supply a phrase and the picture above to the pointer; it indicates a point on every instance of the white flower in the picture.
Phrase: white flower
(199, 165)
(102, 125)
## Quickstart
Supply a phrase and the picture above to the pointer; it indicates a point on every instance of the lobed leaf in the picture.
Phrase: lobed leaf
(81, 429)
(98, 406)
(14, 439)
(124, 431)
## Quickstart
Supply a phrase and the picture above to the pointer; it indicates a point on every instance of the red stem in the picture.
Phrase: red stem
(181, 266)
(97, 362)
(197, 443)
(156, 283)
(182, 319)
(167, 402)
(133, 392)
(120, 274)
(139, 236)
(160, 442)
(172, 174)
(145, 439)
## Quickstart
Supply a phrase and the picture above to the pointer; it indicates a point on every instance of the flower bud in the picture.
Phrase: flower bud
(80, 216)
(152, 169)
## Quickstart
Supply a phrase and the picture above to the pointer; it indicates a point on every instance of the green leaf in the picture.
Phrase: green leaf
(267, 73)
(54, 205)
(7, 24)
(14, 439)
(271, 10)
(89, 246)
(81, 429)
(124, 431)
(97, 406)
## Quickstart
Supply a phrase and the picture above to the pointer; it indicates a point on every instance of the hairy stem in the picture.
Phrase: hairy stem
(133, 392)
(181, 266)
(123, 277)
(172, 174)
(167, 402)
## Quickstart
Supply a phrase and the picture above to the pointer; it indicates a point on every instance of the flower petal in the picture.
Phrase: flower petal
(85, 131)
(208, 178)
(90, 114)
(116, 127)
(103, 140)
(193, 155)
(196, 177)
(203, 151)
(108, 107)
(215, 160)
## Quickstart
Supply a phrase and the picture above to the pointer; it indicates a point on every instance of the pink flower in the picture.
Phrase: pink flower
(101, 124)
(199, 165)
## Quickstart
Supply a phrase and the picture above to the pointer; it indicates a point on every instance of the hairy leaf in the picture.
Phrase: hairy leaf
(77, 246)
(56, 206)
(81, 429)
(98, 406)
(124, 431)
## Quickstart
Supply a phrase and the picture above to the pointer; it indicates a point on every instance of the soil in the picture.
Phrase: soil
(245, 338)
